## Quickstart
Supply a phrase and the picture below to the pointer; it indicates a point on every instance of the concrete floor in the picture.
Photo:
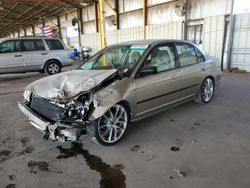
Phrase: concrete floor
(213, 142)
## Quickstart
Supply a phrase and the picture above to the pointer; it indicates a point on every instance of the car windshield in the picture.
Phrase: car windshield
(123, 58)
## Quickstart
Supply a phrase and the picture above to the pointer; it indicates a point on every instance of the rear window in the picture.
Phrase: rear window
(54, 44)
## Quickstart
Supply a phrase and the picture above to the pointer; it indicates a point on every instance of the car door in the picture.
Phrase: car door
(34, 54)
(57, 49)
(156, 91)
(191, 70)
(11, 60)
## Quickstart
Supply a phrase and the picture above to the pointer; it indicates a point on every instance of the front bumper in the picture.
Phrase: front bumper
(48, 128)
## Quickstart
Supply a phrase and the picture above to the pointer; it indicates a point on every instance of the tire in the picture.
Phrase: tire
(206, 91)
(112, 126)
(53, 67)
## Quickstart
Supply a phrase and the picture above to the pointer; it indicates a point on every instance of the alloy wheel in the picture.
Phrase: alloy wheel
(207, 90)
(112, 125)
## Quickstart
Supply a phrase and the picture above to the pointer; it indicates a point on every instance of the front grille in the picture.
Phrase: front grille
(46, 109)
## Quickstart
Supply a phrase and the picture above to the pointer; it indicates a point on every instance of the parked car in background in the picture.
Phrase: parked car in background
(121, 83)
(31, 54)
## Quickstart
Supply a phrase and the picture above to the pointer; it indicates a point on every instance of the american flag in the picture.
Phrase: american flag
(47, 31)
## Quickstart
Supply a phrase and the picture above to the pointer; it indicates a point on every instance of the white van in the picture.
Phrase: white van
(31, 54)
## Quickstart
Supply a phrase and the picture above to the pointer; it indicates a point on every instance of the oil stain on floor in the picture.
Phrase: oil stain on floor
(39, 165)
(111, 176)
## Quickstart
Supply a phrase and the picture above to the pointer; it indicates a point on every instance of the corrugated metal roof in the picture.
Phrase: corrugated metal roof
(20, 14)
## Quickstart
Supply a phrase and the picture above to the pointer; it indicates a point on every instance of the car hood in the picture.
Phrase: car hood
(68, 84)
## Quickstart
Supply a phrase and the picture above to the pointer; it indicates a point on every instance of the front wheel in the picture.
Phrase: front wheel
(111, 127)
(207, 90)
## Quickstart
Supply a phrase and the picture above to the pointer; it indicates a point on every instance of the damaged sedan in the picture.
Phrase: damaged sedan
(121, 83)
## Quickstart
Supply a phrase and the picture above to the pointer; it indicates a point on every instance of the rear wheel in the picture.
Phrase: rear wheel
(207, 90)
(53, 67)
(111, 127)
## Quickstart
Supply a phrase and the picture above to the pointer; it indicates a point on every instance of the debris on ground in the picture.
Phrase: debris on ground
(24, 141)
(179, 173)
(235, 70)
(135, 148)
(193, 141)
(12, 177)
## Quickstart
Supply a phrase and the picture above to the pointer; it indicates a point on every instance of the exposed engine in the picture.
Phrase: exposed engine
(79, 109)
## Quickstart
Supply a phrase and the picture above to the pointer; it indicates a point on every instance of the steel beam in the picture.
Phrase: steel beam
(59, 27)
(230, 36)
(102, 23)
(96, 17)
(187, 18)
(80, 28)
(117, 14)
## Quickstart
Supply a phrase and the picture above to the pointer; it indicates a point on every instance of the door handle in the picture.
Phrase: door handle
(203, 70)
(44, 53)
(18, 55)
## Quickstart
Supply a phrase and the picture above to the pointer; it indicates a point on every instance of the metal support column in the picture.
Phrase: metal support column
(80, 28)
(96, 17)
(145, 17)
(117, 15)
(102, 23)
(33, 30)
(59, 27)
(187, 18)
(229, 48)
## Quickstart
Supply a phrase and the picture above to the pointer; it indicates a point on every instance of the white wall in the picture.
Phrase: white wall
(241, 42)
(213, 35)
(207, 8)
(164, 31)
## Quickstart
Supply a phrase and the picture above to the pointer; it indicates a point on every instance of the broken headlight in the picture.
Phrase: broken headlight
(26, 95)
(77, 109)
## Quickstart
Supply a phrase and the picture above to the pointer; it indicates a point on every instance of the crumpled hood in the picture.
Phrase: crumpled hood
(68, 84)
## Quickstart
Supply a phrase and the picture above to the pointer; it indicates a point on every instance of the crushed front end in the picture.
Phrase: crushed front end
(59, 120)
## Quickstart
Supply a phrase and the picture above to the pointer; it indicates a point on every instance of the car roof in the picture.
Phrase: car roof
(151, 42)
(38, 37)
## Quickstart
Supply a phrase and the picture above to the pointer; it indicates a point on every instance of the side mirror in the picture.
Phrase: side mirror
(144, 71)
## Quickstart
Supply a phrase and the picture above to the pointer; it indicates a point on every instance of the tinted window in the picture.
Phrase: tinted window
(162, 58)
(54, 44)
(10, 46)
(32, 45)
(186, 53)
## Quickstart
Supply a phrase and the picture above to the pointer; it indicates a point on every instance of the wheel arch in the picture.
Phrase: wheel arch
(49, 60)
(126, 104)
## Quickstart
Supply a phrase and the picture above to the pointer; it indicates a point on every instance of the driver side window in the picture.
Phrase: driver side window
(10, 46)
(162, 58)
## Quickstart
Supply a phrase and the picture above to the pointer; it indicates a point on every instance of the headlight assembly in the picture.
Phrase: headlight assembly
(26, 95)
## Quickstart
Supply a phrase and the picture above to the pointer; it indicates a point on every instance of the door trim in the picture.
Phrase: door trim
(162, 106)
(165, 94)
